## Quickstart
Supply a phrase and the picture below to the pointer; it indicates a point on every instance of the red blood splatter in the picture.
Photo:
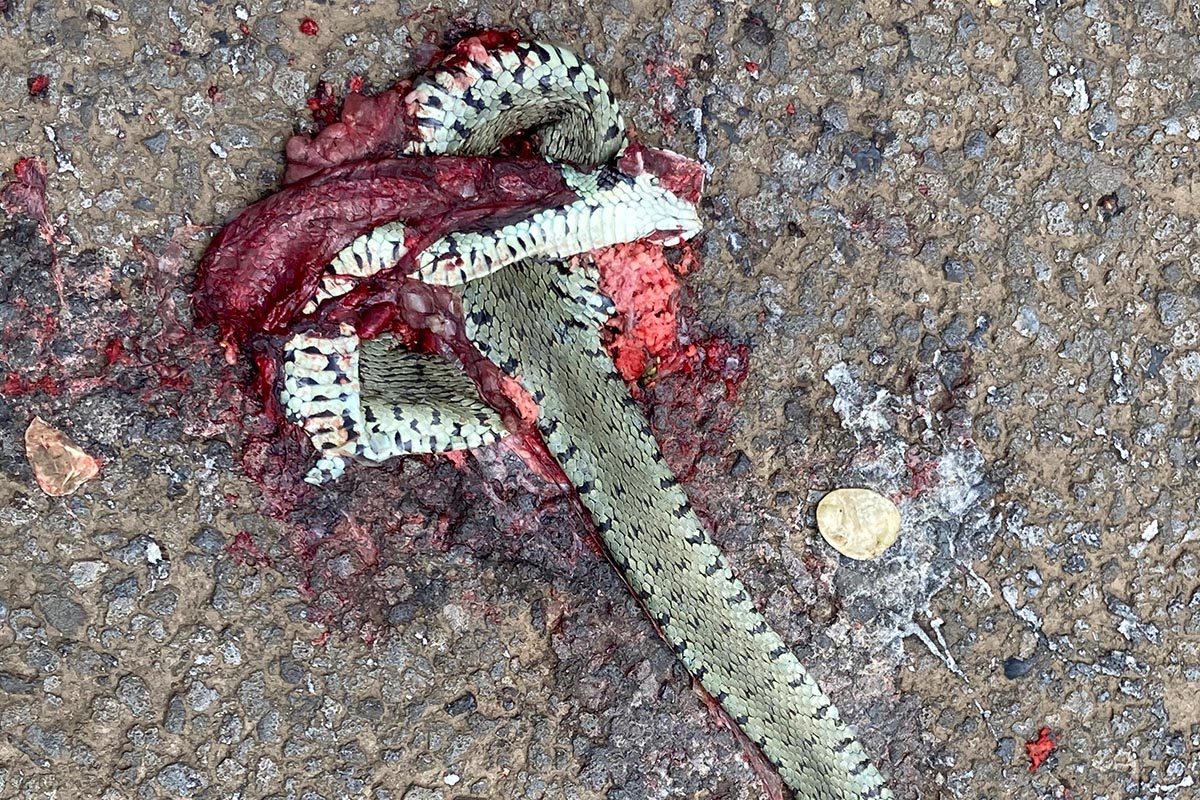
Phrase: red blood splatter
(262, 267)
(214, 94)
(791, 108)
(922, 471)
(38, 84)
(114, 351)
(244, 29)
(16, 385)
(324, 105)
(25, 195)
(1040, 748)
(356, 84)
(752, 68)
(309, 26)
(657, 70)
(259, 271)
(245, 550)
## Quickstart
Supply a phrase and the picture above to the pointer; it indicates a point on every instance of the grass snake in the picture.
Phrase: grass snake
(529, 303)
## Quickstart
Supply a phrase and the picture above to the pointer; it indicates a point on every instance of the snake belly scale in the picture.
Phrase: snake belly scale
(538, 318)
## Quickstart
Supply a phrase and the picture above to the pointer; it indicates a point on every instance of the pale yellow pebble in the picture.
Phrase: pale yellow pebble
(858, 523)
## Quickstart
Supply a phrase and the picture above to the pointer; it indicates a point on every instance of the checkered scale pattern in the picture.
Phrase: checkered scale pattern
(538, 321)
(468, 106)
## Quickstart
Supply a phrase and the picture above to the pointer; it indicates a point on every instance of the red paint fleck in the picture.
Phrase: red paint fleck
(245, 550)
(752, 68)
(1040, 748)
(309, 26)
(38, 84)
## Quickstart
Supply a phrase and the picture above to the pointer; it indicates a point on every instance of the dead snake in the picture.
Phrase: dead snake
(538, 319)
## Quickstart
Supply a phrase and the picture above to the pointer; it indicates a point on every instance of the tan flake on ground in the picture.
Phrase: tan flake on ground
(59, 466)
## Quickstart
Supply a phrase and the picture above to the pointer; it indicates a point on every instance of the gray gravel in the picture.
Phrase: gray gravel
(959, 244)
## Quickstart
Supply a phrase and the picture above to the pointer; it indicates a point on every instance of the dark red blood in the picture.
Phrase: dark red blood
(342, 182)
(265, 264)
(309, 26)
(683, 177)
(245, 550)
(324, 105)
(25, 194)
(370, 125)
(16, 385)
(38, 84)
(1040, 748)
(114, 351)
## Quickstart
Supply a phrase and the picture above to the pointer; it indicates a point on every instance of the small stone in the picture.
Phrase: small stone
(181, 779)
(209, 541)
(975, 145)
(175, 716)
(135, 694)
(291, 670)
(62, 613)
(85, 573)
(1017, 667)
(1027, 323)
(157, 143)
(858, 523)
(460, 705)
(955, 271)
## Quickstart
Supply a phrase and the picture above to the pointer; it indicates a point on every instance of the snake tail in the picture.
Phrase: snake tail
(538, 321)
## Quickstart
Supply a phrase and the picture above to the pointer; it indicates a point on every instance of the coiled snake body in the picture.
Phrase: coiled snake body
(538, 319)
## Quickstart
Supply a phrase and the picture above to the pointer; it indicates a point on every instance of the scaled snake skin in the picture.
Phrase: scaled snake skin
(538, 318)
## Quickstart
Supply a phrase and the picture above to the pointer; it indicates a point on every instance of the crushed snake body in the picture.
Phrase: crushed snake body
(537, 318)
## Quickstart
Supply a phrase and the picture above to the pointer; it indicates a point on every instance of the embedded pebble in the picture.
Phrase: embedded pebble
(858, 523)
